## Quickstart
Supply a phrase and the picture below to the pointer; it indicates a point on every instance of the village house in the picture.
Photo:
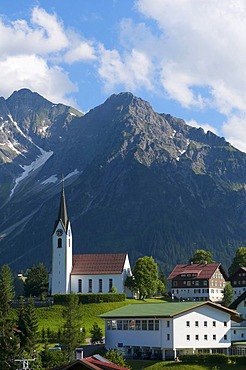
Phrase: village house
(198, 282)
(167, 330)
(238, 282)
(83, 273)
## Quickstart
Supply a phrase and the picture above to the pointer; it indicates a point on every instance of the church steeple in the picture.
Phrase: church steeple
(62, 255)
(62, 214)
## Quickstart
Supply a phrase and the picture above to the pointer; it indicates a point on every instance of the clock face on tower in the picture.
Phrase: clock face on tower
(59, 232)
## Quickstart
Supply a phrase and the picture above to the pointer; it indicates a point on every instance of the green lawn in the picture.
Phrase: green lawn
(51, 317)
(152, 365)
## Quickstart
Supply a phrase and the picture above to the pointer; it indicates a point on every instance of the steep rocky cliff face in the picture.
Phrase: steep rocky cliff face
(136, 181)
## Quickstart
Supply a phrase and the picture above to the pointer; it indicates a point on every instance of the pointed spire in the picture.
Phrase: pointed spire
(62, 214)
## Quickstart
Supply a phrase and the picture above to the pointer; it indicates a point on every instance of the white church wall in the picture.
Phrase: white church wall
(117, 282)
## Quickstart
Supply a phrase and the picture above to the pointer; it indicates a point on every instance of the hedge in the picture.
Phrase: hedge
(202, 358)
(238, 360)
(91, 298)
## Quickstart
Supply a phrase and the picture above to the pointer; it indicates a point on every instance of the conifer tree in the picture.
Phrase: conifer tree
(28, 324)
(96, 333)
(8, 339)
(71, 336)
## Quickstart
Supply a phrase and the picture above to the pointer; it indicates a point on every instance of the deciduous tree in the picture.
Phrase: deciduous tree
(238, 261)
(202, 256)
(116, 356)
(145, 280)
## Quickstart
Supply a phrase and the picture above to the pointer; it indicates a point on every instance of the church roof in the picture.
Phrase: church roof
(62, 214)
(98, 264)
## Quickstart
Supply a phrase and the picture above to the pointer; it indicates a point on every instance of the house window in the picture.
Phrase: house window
(205, 283)
(114, 325)
(188, 283)
(100, 285)
(242, 335)
(225, 337)
(175, 283)
(156, 325)
(151, 325)
(90, 285)
(187, 337)
(119, 324)
(125, 324)
(197, 337)
(187, 323)
(59, 243)
(197, 283)
(205, 337)
(108, 324)
(214, 323)
(214, 336)
(234, 332)
(138, 325)
(205, 323)
(144, 324)
(168, 336)
(110, 285)
(168, 323)
(196, 323)
(225, 323)
(131, 325)
(80, 286)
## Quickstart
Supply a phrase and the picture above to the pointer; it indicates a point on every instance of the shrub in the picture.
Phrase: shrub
(62, 299)
(214, 359)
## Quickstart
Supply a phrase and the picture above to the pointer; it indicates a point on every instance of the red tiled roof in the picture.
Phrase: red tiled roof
(204, 271)
(95, 264)
(104, 364)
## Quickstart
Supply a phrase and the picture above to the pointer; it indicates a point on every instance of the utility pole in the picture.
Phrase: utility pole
(25, 363)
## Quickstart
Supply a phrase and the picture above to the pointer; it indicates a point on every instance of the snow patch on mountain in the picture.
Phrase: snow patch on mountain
(39, 161)
(75, 172)
(51, 180)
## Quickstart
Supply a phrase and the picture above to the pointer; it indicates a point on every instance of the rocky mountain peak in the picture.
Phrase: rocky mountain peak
(136, 181)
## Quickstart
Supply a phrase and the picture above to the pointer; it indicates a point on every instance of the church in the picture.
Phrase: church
(83, 273)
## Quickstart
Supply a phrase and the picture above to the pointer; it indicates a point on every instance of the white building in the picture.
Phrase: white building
(84, 273)
(238, 330)
(198, 282)
(167, 330)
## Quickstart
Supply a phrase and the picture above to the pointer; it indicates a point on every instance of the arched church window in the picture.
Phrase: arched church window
(90, 286)
(59, 243)
(110, 285)
(100, 286)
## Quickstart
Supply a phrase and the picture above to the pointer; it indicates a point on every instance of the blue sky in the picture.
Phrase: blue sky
(186, 57)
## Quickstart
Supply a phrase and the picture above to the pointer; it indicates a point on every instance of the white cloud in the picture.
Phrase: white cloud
(33, 72)
(34, 54)
(235, 132)
(204, 43)
(206, 126)
(84, 51)
(132, 71)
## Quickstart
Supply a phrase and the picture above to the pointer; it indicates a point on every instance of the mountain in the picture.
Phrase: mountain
(136, 181)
